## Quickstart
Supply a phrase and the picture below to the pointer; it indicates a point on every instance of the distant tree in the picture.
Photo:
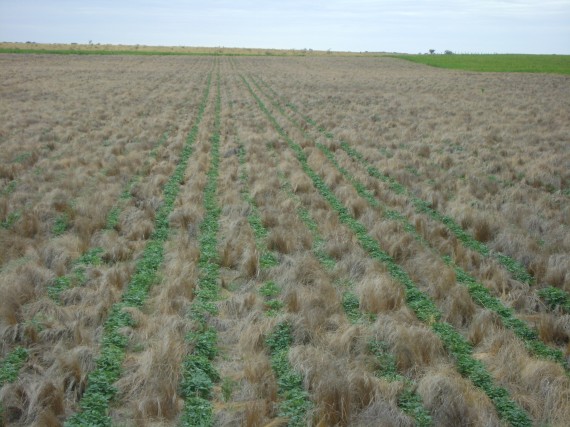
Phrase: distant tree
(448, 52)
(431, 51)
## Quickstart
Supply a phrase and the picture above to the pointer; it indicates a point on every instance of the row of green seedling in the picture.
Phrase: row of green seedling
(418, 301)
(295, 401)
(198, 372)
(516, 269)
(94, 404)
(480, 294)
(408, 400)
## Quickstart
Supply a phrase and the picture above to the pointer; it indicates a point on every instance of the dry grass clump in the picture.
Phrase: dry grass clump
(510, 363)
(558, 271)
(135, 224)
(17, 288)
(258, 374)
(415, 347)
(27, 403)
(149, 384)
(301, 270)
(554, 328)
(339, 390)
(234, 247)
(380, 295)
(451, 400)
(59, 252)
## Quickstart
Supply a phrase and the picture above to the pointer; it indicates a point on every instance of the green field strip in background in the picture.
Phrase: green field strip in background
(509, 63)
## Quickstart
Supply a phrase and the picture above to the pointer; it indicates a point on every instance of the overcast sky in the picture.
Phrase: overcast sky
(477, 26)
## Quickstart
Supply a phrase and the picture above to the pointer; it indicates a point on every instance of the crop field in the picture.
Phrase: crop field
(282, 241)
(496, 62)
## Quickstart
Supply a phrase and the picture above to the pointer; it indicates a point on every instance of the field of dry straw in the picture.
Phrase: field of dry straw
(293, 241)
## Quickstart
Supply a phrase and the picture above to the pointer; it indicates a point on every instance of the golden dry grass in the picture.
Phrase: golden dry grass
(83, 135)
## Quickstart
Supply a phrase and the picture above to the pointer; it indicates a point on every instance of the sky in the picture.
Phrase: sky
(412, 26)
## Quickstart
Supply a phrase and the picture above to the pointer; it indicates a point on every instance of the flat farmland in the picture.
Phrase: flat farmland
(301, 241)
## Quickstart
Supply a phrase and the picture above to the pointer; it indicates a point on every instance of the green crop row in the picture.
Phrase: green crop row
(9, 188)
(418, 301)
(115, 212)
(11, 219)
(408, 400)
(100, 390)
(482, 296)
(198, 373)
(93, 256)
(272, 305)
(517, 270)
(60, 225)
(296, 402)
(479, 293)
(159, 144)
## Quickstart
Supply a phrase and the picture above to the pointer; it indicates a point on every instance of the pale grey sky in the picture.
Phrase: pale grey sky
(477, 26)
